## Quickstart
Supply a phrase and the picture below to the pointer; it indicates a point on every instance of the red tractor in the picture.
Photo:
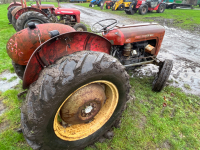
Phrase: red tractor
(145, 6)
(45, 13)
(77, 81)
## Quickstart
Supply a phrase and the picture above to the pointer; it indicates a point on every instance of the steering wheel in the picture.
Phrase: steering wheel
(104, 27)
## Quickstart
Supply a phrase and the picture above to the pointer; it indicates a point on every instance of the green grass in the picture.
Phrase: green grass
(3, 79)
(12, 78)
(6, 31)
(146, 123)
(180, 18)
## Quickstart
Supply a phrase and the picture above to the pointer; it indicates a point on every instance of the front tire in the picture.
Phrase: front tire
(143, 9)
(162, 76)
(30, 16)
(121, 7)
(58, 82)
(80, 27)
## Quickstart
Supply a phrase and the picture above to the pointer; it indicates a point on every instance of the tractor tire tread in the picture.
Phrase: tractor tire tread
(162, 76)
(66, 72)
(9, 13)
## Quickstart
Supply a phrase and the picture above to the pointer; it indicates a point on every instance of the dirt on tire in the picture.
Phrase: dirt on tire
(56, 83)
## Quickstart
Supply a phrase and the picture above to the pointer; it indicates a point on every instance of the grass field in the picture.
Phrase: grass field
(149, 122)
(187, 19)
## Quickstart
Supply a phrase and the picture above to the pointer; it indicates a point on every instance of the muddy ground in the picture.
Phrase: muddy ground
(181, 46)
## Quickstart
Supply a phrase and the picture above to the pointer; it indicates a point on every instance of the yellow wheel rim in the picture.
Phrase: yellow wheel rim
(80, 131)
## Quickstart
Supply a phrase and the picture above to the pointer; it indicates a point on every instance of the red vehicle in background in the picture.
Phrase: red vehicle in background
(44, 13)
(144, 6)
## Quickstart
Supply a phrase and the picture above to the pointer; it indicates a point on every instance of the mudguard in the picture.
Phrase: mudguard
(18, 12)
(59, 46)
(14, 4)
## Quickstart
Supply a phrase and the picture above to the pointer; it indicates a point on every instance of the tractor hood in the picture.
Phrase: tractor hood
(66, 11)
(135, 33)
(23, 43)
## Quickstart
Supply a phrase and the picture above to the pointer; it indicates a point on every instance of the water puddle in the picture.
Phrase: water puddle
(5, 84)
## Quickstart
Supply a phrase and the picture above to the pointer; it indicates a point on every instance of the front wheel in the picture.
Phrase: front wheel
(30, 16)
(162, 76)
(80, 27)
(143, 9)
(75, 101)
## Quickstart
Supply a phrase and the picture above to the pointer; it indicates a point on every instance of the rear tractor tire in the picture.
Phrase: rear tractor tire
(30, 16)
(162, 76)
(143, 9)
(130, 12)
(14, 22)
(9, 13)
(80, 27)
(75, 101)
(19, 69)
(161, 8)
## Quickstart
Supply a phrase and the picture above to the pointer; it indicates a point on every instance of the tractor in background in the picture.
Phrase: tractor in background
(96, 2)
(144, 6)
(45, 13)
(77, 81)
(109, 4)
(121, 4)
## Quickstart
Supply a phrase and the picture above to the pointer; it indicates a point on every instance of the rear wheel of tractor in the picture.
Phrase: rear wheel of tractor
(161, 8)
(19, 69)
(143, 9)
(92, 5)
(14, 22)
(121, 7)
(9, 13)
(96, 82)
(162, 76)
(30, 16)
(80, 27)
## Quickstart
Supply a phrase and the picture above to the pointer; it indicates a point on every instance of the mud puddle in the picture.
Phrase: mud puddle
(181, 46)
(5, 83)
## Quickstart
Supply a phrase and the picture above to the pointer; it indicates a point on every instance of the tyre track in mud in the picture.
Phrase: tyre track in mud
(181, 46)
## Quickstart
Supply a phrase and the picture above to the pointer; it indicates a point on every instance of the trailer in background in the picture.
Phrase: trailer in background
(181, 3)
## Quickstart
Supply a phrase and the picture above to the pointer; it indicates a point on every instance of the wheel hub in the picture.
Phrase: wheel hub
(84, 104)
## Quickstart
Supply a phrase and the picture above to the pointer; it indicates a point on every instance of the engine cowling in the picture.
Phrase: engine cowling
(23, 43)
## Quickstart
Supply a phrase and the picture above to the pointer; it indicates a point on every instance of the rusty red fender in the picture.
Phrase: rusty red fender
(59, 46)
(13, 4)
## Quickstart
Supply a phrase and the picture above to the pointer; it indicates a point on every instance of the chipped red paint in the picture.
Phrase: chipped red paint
(135, 33)
(23, 43)
(13, 4)
(57, 47)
